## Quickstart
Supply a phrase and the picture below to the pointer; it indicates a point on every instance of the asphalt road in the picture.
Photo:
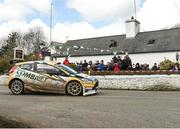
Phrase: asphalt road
(109, 108)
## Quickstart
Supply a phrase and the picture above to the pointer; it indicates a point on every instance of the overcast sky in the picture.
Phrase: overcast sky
(76, 19)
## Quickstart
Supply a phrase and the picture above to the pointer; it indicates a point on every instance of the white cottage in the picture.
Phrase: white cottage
(142, 47)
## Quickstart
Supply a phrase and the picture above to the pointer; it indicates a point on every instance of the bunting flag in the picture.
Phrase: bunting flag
(77, 48)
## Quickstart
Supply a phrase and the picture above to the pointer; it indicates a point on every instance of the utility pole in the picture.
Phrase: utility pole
(135, 9)
(51, 22)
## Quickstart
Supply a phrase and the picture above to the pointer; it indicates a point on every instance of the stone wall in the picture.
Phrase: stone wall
(132, 82)
(140, 82)
(3, 80)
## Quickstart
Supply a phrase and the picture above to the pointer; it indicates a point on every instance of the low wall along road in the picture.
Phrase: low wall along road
(132, 82)
(140, 82)
(3, 80)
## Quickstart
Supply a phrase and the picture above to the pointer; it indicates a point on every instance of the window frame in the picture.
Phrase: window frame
(33, 67)
(59, 72)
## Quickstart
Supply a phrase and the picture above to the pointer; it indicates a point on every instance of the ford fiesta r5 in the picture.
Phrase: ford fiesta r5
(40, 76)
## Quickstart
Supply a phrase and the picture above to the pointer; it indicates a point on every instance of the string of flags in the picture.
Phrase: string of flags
(88, 48)
(77, 48)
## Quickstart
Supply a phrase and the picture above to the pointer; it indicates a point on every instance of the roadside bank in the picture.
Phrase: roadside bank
(6, 123)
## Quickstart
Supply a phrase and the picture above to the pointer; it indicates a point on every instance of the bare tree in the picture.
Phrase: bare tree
(34, 39)
(30, 41)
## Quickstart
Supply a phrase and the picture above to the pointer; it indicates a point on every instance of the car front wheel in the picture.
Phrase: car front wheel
(74, 88)
(17, 87)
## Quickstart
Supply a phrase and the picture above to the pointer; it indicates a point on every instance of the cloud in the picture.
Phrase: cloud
(22, 27)
(62, 31)
(153, 15)
(94, 10)
(69, 31)
(20, 9)
(159, 14)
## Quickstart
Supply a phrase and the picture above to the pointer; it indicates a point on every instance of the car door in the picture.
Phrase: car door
(53, 80)
(32, 80)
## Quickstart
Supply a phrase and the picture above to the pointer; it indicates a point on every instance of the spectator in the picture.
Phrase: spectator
(119, 61)
(155, 67)
(145, 67)
(110, 66)
(115, 59)
(84, 65)
(138, 67)
(133, 67)
(97, 63)
(79, 67)
(176, 67)
(66, 61)
(90, 64)
(101, 66)
(116, 68)
(94, 67)
(126, 64)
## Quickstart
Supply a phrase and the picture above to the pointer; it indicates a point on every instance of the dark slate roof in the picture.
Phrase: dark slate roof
(144, 42)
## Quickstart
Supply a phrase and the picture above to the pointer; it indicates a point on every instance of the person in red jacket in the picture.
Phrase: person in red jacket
(116, 68)
(66, 61)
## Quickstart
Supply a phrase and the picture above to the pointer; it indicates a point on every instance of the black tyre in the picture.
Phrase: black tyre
(74, 88)
(17, 87)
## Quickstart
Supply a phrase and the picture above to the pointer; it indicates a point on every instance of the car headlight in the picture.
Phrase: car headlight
(87, 80)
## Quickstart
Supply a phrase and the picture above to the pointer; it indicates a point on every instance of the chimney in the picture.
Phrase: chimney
(132, 28)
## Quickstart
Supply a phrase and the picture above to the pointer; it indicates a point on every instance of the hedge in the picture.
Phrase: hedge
(4, 65)
(140, 72)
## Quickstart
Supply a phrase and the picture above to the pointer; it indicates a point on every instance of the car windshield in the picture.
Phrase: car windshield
(67, 69)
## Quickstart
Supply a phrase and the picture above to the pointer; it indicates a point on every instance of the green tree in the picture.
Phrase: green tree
(9, 44)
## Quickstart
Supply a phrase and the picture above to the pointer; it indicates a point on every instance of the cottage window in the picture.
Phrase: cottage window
(113, 43)
(152, 41)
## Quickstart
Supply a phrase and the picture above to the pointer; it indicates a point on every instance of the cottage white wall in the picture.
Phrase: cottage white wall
(106, 59)
(149, 58)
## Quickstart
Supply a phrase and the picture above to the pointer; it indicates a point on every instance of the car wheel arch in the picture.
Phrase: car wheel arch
(13, 80)
(70, 82)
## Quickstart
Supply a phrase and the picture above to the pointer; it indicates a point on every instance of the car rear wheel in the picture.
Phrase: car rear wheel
(74, 88)
(17, 87)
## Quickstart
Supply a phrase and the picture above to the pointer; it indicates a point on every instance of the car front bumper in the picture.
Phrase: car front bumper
(90, 90)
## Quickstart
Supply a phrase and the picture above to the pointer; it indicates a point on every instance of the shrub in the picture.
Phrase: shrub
(4, 65)
(30, 57)
(166, 65)
(73, 66)
(141, 72)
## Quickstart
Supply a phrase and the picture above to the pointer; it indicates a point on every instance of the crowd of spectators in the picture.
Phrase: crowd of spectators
(116, 64)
